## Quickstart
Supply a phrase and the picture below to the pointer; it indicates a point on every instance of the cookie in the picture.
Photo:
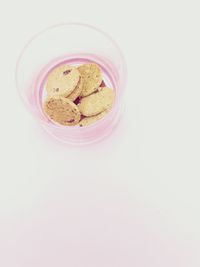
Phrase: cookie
(77, 91)
(90, 120)
(92, 78)
(62, 81)
(62, 110)
(96, 103)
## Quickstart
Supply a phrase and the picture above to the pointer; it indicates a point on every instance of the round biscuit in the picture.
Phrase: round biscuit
(92, 78)
(62, 80)
(90, 120)
(96, 103)
(62, 110)
(77, 91)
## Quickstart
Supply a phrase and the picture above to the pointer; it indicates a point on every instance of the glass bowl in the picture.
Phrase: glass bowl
(73, 44)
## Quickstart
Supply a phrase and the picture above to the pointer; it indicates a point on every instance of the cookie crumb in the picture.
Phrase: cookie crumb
(66, 72)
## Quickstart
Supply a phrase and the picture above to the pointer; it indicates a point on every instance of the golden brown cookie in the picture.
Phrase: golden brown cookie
(62, 110)
(96, 103)
(90, 120)
(77, 91)
(62, 80)
(92, 78)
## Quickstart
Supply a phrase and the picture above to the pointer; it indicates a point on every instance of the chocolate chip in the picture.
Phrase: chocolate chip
(66, 72)
(82, 116)
(77, 101)
(102, 84)
(70, 121)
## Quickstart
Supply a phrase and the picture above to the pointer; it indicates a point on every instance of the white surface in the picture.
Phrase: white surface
(136, 200)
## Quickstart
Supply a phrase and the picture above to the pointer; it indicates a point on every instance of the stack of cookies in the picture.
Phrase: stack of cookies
(77, 95)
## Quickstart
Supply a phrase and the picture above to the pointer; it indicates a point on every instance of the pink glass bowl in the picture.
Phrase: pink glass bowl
(74, 44)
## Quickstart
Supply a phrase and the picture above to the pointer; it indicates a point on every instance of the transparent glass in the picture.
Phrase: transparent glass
(72, 43)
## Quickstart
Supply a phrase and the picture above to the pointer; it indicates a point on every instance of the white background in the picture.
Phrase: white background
(134, 199)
